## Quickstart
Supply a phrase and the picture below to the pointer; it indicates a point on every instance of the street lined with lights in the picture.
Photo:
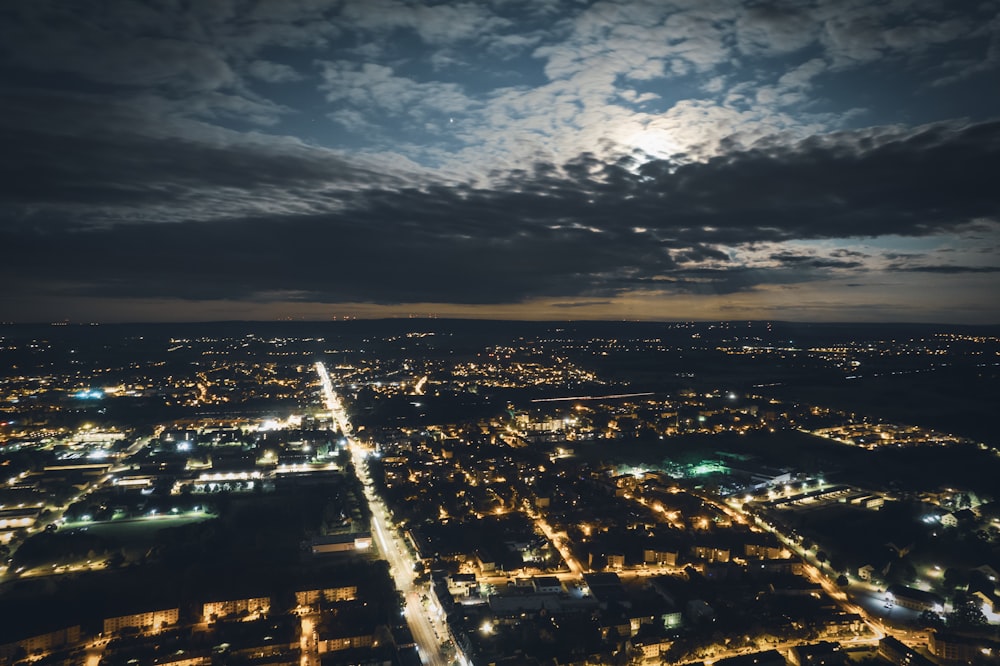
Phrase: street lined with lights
(428, 631)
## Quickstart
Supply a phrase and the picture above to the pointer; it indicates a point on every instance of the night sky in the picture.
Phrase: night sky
(663, 159)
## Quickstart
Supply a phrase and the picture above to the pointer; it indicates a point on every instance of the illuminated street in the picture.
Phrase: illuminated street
(689, 523)
(550, 534)
(428, 631)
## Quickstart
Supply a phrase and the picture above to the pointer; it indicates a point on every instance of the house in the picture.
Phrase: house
(485, 561)
(767, 568)
(270, 641)
(826, 653)
(865, 572)
(546, 585)
(11, 519)
(917, 600)
(698, 609)
(711, 553)
(146, 622)
(462, 584)
(614, 626)
(342, 543)
(605, 587)
(954, 647)
(988, 601)
(847, 623)
(213, 610)
(651, 649)
(516, 606)
(766, 658)
(960, 517)
(766, 551)
(327, 595)
(661, 557)
(333, 637)
(898, 653)
(41, 643)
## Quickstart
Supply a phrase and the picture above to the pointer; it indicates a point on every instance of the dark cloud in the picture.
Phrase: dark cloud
(121, 170)
(943, 268)
(400, 151)
(843, 252)
(579, 304)
(776, 28)
(329, 258)
(273, 72)
(583, 229)
(812, 261)
(83, 161)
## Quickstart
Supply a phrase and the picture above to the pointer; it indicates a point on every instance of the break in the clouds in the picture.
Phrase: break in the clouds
(661, 159)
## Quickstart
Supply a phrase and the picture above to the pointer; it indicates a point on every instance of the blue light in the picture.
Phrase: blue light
(89, 394)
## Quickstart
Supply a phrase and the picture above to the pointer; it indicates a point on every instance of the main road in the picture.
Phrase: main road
(429, 631)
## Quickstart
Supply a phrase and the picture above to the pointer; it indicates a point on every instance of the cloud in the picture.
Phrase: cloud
(376, 87)
(943, 268)
(793, 86)
(435, 24)
(324, 229)
(842, 252)
(858, 32)
(601, 60)
(130, 161)
(812, 261)
(272, 72)
(775, 28)
(641, 40)
(398, 151)
(579, 304)
(118, 43)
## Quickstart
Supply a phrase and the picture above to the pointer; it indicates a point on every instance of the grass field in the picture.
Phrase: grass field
(129, 530)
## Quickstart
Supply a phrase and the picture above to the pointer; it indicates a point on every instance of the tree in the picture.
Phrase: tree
(979, 582)
(905, 571)
(967, 614)
(842, 580)
(932, 620)
(955, 578)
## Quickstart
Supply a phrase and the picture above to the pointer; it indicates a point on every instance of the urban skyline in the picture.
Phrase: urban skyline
(471, 493)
